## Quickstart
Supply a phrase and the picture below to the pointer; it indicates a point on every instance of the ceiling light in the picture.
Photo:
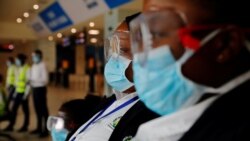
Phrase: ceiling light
(50, 38)
(73, 30)
(94, 32)
(91, 24)
(93, 40)
(59, 35)
(36, 6)
(26, 14)
(19, 20)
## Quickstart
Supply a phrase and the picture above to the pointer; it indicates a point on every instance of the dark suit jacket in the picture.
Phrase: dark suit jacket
(227, 119)
(91, 112)
(129, 123)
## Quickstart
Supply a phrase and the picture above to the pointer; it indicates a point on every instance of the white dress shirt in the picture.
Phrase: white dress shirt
(38, 75)
(103, 128)
(171, 127)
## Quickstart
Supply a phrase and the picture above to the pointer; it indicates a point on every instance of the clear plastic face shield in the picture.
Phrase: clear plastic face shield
(118, 44)
(118, 58)
(56, 122)
(154, 29)
(168, 27)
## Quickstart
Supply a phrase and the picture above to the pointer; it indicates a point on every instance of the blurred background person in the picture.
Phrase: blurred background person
(21, 94)
(71, 116)
(10, 80)
(39, 80)
(3, 112)
(91, 71)
(2, 100)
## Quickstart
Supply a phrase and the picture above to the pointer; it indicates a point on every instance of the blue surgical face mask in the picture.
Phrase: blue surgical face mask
(161, 85)
(36, 59)
(60, 135)
(18, 62)
(115, 73)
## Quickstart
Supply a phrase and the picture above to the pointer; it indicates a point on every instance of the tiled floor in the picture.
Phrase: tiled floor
(56, 96)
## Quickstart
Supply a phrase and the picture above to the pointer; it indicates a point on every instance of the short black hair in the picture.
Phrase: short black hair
(39, 53)
(128, 19)
(81, 110)
(11, 60)
(22, 58)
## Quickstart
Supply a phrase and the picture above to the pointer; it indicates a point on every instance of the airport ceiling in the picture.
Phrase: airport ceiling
(10, 10)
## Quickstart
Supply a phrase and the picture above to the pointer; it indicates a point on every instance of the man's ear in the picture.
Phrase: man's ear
(235, 40)
(71, 124)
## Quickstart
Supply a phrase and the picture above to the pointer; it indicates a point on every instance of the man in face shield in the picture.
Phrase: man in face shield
(69, 119)
(113, 120)
(189, 49)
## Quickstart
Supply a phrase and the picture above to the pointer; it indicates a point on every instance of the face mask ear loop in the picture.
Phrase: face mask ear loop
(183, 17)
(209, 37)
(205, 40)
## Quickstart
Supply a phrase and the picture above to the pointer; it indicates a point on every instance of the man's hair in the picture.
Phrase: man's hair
(22, 58)
(11, 60)
(81, 110)
(39, 53)
(227, 11)
(128, 19)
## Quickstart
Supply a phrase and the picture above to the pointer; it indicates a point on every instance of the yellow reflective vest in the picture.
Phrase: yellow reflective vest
(10, 80)
(22, 79)
(2, 102)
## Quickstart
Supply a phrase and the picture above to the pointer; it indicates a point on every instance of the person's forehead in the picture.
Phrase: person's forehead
(122, 27)
(193, 12)
(62, 113)
(176, 6)
(122, 35)
(122, 30)
(151, 5)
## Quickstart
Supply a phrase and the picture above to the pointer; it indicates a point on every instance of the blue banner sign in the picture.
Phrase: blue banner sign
(55, 17)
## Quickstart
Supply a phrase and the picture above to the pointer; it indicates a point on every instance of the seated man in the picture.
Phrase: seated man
(216, 60)
(121, 115)
(71, 116)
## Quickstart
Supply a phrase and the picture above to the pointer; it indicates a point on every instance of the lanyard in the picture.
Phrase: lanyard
(95, 119)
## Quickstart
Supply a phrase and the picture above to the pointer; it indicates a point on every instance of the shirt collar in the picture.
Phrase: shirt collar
(121, 95)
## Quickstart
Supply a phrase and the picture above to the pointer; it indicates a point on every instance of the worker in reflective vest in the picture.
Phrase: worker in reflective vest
(10, 80)
(21, 94)
(2, 99)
